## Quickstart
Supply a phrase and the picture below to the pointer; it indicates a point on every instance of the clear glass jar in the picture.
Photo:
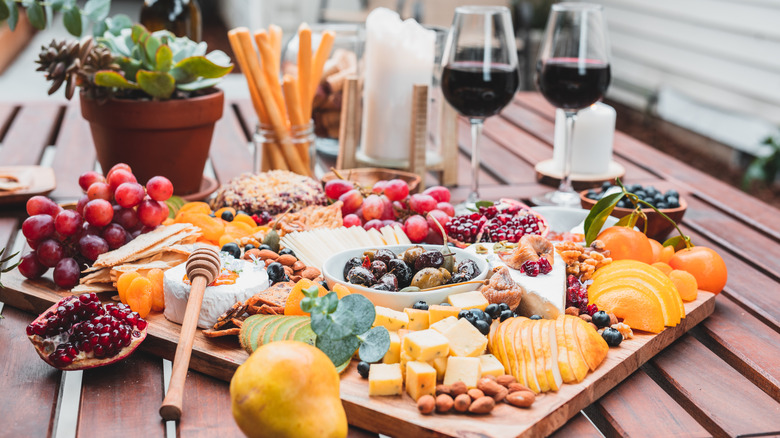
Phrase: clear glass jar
(273, 152)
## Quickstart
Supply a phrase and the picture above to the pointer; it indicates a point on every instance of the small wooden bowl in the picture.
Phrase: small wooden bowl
(367, 176)
(658, 228)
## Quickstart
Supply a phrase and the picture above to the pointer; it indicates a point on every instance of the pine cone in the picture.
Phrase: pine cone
(99, 58)
(73, 63)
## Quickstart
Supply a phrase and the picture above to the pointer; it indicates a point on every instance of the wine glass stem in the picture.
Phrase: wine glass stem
(565, 185)
(476, 133)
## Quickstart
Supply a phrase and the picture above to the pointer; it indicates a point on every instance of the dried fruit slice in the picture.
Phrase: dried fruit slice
(69, 335)
(501, 347)
(293, 304)
(123, 282)
(518, 354)
(636, 309)
(567, 374)
(685, 283)
(508, 339)
(576, 360)
(156, 276)
(536, 339)
(530, 358)
(139, 296)
(551, 354)
(593, 346)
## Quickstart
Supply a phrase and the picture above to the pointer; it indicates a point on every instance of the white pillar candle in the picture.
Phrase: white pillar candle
(398, 55)
(592, 139)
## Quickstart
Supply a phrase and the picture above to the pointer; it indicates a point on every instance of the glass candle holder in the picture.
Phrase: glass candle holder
(292, 149)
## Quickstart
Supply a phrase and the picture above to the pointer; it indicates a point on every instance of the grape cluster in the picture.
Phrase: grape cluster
(66, 240)
(649, 194)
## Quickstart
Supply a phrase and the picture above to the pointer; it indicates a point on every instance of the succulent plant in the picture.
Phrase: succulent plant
(158, 64)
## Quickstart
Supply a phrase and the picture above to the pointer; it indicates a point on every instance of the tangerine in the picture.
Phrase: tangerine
(627, 244)
(685, 283)
(657, 249)
(704, 264)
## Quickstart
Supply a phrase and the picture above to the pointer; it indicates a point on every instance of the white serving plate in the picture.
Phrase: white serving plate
(568, 219)
(333, 269)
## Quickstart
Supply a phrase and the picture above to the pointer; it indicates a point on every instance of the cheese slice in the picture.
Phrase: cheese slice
(420, 379)
(462, 369)
(438, 312)
(440, 363)
(393, 354)
(390, 319)
(444, 324)
(404, 359)
(489, 365)
(465, 339)
(388, 235)
(469, 300)
(425, 345)
(418, 319)
(385, 379)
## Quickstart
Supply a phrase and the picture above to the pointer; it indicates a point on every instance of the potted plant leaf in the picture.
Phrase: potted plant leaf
(149, 98)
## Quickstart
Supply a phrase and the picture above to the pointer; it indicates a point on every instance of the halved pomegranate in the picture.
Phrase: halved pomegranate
(79, 333)
(507, 220)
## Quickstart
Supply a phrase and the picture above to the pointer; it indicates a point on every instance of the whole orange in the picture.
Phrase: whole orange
(627, 244)
(705, 264)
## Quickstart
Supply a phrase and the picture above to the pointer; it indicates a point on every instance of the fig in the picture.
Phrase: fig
(427, 278)
(468, 267)
(429, 259)
(80, 333)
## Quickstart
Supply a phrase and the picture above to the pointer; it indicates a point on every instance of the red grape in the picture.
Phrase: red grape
(416, 228)
(126, 217)
(118, 166)
(129, 194)
(33, 243)
(66, 273)
(119, 176)
(114, 235)
(396, 189)
(91, 229)
(422, 203)
(391, 223)
(98, 212)
(68, 222)
(434, 237)
(379, 186)
(99, 190)
(439, 193)
(352, 220)
(92, 246)
(50, 252)
(374, 223)
(437, 215)
(30, 267)
(42, 205)
(135, 234)
(38, 227)
(159, 188)
(337, 187)
(150, 213)
(446, 207)
(388, 213)
(88, 178)
(80, 205)
(373, 207)
(352, 200)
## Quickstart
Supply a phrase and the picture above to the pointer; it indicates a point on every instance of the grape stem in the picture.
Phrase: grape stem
(636, 201)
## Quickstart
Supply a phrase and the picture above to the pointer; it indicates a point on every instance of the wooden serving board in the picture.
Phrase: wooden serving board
(398, 415)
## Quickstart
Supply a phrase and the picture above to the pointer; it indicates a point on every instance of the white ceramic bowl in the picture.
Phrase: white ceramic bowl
(333, 271)
(566, 219)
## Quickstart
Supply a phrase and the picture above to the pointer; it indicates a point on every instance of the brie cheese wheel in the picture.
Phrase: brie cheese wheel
(545, 294)
(216, 299)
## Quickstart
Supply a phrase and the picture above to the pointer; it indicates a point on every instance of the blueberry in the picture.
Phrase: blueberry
(661, 205)
(492, 310)
(420, 305)
(535, 317)
(601, 319)
(612, 336)
(227, 216)
(605, 186)
(641, 193)
(324, 284)
(465, 314)
(241, 212)
(363, 369)
(287, 251)
(506, 314)
(445, 304)
(592, 194)
(275, 272)
(482, 326)
(672, 192)
(478, 314)
(672, 201)
(212, 214)
(232, 248)
(503, 306)
(264, 246)
(248, 247)
(634, 187)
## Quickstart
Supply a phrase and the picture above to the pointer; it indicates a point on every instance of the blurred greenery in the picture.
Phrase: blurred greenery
(763, 170)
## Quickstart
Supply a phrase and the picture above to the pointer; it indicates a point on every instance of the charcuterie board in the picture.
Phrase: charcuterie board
(398, 415)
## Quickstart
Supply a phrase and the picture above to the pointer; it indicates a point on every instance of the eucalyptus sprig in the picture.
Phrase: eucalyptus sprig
(600, 212)
(343, 326)
(41, 12)
(6, 260)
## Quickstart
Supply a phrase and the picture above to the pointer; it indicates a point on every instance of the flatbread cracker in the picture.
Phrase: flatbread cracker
(274, 296)
(218, 333)
(88, 288)
(101, 276)
(140, 244)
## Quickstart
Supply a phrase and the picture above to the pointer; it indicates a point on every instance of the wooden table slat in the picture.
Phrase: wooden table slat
(494, 159)
(29, 133)
(7, 113)
(74, 154)
(578, 427)
(207, 408)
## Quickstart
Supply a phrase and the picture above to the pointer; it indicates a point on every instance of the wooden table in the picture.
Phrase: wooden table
(721, 379)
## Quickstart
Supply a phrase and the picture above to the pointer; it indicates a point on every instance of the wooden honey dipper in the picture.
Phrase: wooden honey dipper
(203, 267)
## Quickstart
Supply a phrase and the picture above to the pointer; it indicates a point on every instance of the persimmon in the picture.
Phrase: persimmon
(704, 264)
(626, 243)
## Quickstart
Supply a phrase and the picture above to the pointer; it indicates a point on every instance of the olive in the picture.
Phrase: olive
(612, 336)
(382, 286)
(482, 326)
(369, 253)
(503, 306)
(492, 310)
(324, 284)
(384, 255)
(458, 278)
(429, 259)
(506, 314)
(232, 248)
(276, 272)
(411, 254)
(427, 278)
(248, 246)
(360, 275)
(402, 272)
(468, 267)
(378, 268)
(264, 246)
(241, 212)
(363, 369)
(227, 216)
(420, 305)
(410, 289)
(352, 263)
(445, 275)
(601, 319)
(287, 251)
(478, 314)
(390, 280)
(535, 317)
(468, 315)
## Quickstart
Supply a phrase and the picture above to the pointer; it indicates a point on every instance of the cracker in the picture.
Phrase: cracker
(140, 244)
(274, 296)
(220, 333)
(88, 288)
(101, 276)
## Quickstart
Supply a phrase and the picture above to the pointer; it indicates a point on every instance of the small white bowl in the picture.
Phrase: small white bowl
(568, 219)
(333, 271)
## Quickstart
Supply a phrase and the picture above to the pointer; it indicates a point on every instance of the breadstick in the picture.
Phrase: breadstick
(291, 96)
(271, 157)
(275, 32)
(270, 69)
(304, 69)
(323, 51)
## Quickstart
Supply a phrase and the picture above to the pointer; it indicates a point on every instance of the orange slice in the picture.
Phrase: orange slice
(594, 348)
(541, 374)
(685, 283)
(293, 304)
(636, 309)
(576, 360)
(529, 357)
(567, 374)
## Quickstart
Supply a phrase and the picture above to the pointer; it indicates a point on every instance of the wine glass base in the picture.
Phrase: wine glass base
(558, 199)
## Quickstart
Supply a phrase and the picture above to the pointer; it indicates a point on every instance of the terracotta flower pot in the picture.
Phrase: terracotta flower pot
(169, 138)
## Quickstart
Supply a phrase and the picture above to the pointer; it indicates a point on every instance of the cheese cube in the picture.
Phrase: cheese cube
(465, 339)
(404, 358)
(418, 319)
(420, 379)
(425, 345)
(444, 324)
(385, 379)
(440, 363)
(490, 365)
(462, 369)
(393, 354)
(469, 300)
(438, 312)
(390, 319)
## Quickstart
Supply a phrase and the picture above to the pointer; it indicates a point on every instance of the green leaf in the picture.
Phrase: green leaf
(677, 242)
(362, 308)
(628, 220)
(99, 29)
(71, 18)
(48, 12)
(128, 65)
(156, 84)
(164, 58)
(118, 22)
(483, 204)
(375, 344)
(13, 14)
(598, 216)
(97, 10)
(57, 4)
(4, 11)
(200, 84)
(113, 79)
(338, 350)
(189, 69)
(330, 302)
(36, 16)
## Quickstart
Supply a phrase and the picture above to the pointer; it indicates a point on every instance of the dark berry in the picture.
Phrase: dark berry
(530, 268)
(592, 309)
(445, 304)
(227, 216)
(612, 336)
(544, 266)
(275, 272)
(420, 305)
(482, 326)
(232, 248)
(503, 306)
(248, 246)
(466, 314)
(506, 314)
(363, 369)
(478, 314)
(492, 310)
(535, 317)
(287, 251)
(601, 319)
(264, 246)
(324, 284)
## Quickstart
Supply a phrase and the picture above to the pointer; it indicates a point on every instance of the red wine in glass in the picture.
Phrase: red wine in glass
(569, 84)
(479, 92)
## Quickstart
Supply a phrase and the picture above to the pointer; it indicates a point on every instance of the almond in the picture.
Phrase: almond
(288, 270)
(287, 259)
(311, 273)
(458, 388)
(295, 278)
(475, 393)
(426, 404)
(443, 389)
(521, 399)
(489, 387)
(482, 405)
(298, 265)
(253, 253)
(266, 254)
(505, 380)
(575, 311)
(444, 403)
(585, 317)
(514, 387)
(462, 403)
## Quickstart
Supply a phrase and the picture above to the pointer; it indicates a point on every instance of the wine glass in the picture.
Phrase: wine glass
(572, 73)
(479, 71)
